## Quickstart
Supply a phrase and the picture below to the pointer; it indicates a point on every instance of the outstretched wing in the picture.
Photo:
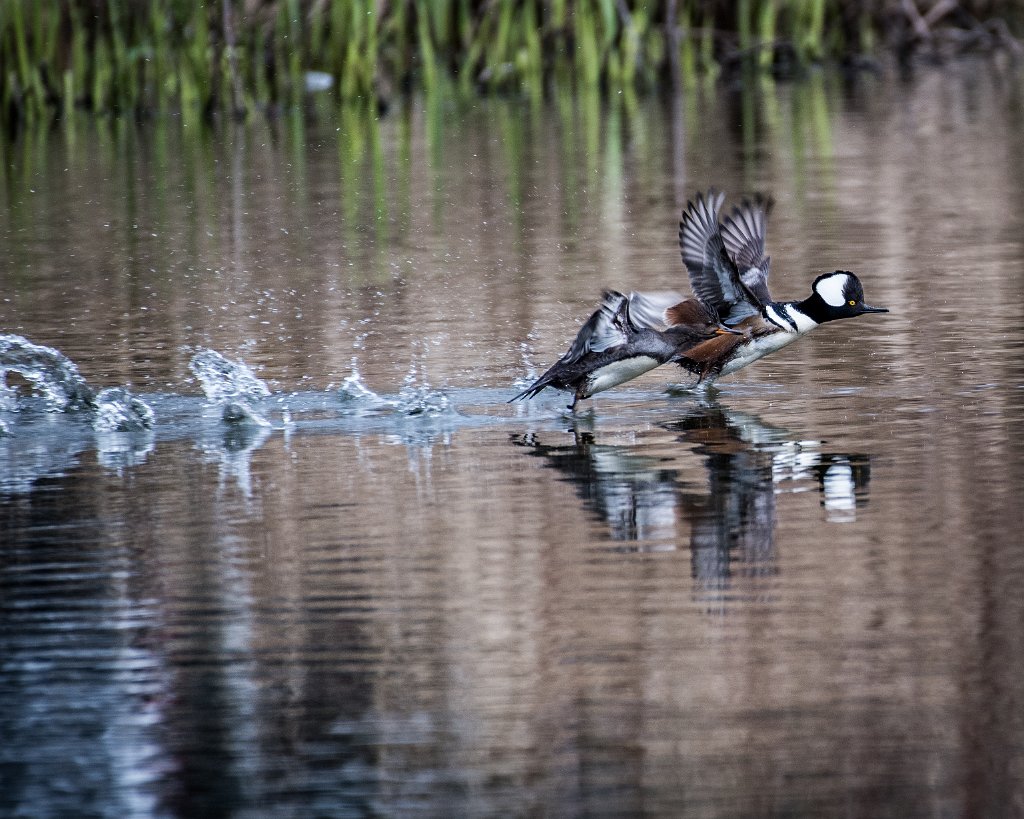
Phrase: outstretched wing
(603, 331)
(744, 235)
(648, 310)
(713, 274)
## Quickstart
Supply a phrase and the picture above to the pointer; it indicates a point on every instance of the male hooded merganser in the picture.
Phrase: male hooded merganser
(729, 271)
(626, 337)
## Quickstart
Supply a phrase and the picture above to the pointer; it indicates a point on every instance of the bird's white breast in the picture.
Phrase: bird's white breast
(759, 348)
(784, 316)
(618, 372)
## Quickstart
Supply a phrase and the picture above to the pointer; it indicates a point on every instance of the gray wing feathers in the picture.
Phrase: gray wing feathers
(756, 280)
(713, 274)
(647, 310)
(603, 330)
(744, 234)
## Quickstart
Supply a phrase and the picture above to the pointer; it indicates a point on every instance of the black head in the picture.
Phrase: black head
(837, 295)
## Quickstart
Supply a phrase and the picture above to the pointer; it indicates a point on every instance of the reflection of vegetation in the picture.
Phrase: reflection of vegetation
(381, 172)
(237, 55)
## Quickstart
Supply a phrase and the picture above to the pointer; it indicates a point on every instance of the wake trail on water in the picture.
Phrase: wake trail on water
(229, 422)
(54, 384)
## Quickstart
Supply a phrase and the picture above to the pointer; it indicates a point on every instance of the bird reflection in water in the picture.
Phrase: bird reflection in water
(648, 498)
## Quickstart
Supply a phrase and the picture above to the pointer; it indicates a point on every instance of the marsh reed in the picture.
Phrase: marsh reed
(144, 57)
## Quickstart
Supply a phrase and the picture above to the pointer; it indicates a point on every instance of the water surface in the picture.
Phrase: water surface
(387, 592)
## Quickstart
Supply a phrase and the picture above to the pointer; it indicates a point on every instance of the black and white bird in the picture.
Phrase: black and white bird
(728, 271)
(626, 337)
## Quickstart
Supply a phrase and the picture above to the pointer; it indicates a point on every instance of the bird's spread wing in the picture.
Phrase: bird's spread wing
(744, 234)
(603, 331)
(648, 310)
(713, 274)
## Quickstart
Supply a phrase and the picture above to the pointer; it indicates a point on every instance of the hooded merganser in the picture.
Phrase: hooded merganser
(626, 337)
(729, 271)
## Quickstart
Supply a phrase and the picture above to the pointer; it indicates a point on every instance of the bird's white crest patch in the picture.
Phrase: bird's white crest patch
(831, 289)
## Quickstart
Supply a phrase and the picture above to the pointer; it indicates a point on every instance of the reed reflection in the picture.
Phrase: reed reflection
(649, 497)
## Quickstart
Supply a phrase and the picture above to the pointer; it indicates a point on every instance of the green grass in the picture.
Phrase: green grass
(230, 57)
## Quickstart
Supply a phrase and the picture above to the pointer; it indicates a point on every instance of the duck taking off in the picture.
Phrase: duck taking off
(729, 271)
(626, 337)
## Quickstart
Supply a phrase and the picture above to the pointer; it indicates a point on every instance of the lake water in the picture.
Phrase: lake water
(382, 590)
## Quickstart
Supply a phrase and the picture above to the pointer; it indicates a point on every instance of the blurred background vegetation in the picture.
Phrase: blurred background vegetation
(235, 57)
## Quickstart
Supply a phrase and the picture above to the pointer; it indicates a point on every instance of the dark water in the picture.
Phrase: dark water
(798, 595)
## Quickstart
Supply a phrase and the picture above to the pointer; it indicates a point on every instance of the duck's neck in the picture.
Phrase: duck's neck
(815, 308)
(791, 316)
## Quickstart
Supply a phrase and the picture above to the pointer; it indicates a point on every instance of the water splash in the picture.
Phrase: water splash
(529, 370)
(412, 400)
(225, 380)
(422, 400)
(232, 384)
(418, 398)
(353, 391)
(117, 410)
(240, 413)
(51, 373)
